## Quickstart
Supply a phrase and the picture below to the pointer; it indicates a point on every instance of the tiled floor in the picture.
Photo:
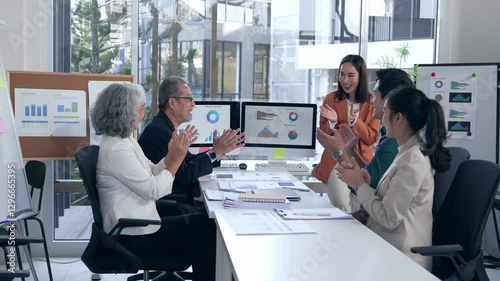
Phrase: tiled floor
(72, 269)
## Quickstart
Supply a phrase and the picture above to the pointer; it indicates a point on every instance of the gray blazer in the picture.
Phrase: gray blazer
(400, 208)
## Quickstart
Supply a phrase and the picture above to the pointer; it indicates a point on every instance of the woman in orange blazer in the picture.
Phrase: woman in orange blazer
(349, 105)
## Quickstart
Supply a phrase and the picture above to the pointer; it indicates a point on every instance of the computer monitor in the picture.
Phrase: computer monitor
(208, 116)
(280, 125)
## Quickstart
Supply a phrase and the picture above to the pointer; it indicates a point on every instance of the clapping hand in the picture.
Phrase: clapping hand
(228, 141)
(354, 114)
(330, 142)
(350, 173)
(329, 113)
(180, 142)
(349, 137)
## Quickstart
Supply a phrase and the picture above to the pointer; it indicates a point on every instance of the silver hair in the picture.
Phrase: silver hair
(115, 111)
(169, 88)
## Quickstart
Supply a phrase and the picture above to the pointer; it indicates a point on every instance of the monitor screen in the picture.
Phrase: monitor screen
(288, 125)
(208, 116)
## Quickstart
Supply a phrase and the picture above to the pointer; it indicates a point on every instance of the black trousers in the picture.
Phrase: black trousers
(189, 237)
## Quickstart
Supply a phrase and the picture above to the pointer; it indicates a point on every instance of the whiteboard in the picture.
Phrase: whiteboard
(482, 141)
(10, 156)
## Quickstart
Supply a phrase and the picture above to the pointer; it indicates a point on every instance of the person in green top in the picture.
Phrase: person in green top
(342, 143)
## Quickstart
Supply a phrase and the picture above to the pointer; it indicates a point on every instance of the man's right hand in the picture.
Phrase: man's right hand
(228, 141)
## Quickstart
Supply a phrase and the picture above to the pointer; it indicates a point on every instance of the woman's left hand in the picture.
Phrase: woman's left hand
(350, 173)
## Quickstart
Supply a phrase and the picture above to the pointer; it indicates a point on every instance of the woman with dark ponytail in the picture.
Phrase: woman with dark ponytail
(400, 208)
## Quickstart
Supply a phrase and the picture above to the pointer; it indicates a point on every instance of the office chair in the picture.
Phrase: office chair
(104, 254)
(35, 174)
(5, 245)
(459, 226)
(443, 180)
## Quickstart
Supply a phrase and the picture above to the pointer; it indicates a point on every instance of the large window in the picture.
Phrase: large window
(261, 71)
(281, 50)
(228, 58)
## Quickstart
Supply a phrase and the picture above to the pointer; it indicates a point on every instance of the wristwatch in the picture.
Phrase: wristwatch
(336, 154)
(212, 155)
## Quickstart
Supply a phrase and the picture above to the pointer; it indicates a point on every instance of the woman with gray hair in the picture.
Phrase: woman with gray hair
(129, 184)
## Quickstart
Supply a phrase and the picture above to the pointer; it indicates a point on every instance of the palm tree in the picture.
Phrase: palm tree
(91, 50)
(402, 52)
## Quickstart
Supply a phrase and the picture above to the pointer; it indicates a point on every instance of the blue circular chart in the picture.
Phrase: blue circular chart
(292, 135)
(293, 116)
(212, 117)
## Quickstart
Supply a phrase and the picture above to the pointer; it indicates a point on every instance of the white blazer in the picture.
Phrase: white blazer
(400, 208)
(129, 184)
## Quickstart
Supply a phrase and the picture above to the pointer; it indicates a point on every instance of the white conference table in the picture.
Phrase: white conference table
(339, 250)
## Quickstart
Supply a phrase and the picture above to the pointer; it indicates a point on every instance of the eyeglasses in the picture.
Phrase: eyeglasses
(190, 98)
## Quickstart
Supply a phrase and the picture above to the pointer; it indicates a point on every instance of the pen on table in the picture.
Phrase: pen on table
(312, 214)
(296, 188)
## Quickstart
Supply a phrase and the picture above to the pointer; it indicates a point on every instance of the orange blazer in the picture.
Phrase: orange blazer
(366, 126)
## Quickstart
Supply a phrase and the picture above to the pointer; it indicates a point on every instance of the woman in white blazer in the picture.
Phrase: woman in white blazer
(129, 184)
(400, 208)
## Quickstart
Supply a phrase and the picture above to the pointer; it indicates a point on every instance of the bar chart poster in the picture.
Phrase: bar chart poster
(41, 112)
(457, 95)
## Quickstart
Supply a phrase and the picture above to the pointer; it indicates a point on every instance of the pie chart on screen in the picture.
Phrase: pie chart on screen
(212, 117)
(292, 135)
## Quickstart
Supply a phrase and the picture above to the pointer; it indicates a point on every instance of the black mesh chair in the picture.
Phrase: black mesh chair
(104, 254)
(459, 225)
(443, 180)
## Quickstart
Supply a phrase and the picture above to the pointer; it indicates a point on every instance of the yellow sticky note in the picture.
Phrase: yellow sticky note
(279, 153)
(2, 83)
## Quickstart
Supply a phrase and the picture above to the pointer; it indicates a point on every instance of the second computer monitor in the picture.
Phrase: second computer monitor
(288, 125)
(208, 116)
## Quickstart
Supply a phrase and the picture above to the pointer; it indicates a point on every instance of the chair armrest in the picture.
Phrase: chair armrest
(9, 275)
(20, 240)
(165, 202)
(128, 222)
(438, 250)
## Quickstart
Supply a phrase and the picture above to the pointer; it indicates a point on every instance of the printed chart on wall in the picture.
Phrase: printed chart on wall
(45, 113)
(457, 96)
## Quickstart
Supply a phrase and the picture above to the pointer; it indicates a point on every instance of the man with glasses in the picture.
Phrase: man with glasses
(176, 103)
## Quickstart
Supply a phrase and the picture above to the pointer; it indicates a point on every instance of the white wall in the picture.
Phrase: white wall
(26, 39)
(469, 31)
